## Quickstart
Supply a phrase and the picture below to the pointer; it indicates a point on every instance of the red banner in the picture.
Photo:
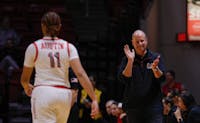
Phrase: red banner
(193, 21)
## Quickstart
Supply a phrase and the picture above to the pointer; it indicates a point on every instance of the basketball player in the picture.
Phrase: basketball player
(51, 57)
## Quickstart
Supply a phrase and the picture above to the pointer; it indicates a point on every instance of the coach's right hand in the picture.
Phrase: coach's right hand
(130, 54)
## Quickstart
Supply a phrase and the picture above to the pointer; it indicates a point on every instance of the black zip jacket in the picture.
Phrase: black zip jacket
(142, 89)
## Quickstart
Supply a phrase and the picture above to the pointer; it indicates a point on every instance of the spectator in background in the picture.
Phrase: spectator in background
(108, 116)
(174, 96)
(168, 110)
(188, 110)
(108, 106)
(85, 104)
(171, 83)
(119, 113)
(8, 36)
(9, 40)
(170, 104)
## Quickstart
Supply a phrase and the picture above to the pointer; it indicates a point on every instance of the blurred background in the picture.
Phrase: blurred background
(99, 29)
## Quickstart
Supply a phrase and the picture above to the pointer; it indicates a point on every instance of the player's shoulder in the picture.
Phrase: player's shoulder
(71, 45)
(62, 40)
(37, 41)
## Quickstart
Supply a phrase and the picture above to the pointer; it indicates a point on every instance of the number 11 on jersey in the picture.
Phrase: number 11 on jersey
(54, 57)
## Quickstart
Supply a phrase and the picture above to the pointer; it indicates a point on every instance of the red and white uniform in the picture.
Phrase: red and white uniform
(50, 98)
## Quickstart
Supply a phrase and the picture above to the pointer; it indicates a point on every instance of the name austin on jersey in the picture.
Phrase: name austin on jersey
(52, 45)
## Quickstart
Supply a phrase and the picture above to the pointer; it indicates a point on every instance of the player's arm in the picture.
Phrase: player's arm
(25, 80)
(79, 71)
(82, 77)
(30, 55)
(86, 84)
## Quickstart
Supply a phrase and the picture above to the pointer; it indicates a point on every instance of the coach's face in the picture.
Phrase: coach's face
(139, 42)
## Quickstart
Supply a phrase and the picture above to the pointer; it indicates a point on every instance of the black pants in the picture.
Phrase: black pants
(151, 114)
